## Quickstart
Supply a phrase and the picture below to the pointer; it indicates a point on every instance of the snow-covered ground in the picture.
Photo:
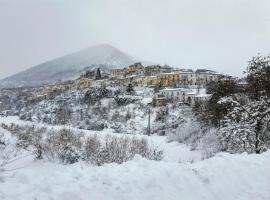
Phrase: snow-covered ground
(223, 177)
(173, 151)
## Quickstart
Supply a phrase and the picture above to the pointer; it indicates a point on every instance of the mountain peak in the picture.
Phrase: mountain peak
(70, 66)
(103, 45)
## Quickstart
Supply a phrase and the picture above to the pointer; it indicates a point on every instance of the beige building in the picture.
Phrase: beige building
(119, 72)
(168, 79)
(135, 68)
(151, 81)
(83, 83)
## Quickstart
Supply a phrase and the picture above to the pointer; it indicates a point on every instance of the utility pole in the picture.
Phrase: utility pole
(165, 121)
(149, 128)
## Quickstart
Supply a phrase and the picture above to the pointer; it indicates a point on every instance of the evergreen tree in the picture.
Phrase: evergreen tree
(215, 111)
(98, 74)
(130, 89)
(258, 77)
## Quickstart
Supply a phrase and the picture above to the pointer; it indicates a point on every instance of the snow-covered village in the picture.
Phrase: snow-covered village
(101, 124)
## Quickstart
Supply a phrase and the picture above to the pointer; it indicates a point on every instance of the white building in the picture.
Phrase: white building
(187, 77)
(196, 96)
(174, 94)
(186, 95)
(204, 76)
(198, 77)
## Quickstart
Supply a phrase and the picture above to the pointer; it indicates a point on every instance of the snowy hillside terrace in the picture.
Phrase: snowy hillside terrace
(181, 174)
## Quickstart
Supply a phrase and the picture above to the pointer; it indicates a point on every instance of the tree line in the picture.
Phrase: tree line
(241, 112)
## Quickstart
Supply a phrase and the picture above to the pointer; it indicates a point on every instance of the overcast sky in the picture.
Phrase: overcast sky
(217, 34)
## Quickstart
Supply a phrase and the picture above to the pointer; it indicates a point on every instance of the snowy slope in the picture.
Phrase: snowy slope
(69, 66)
(223, 177)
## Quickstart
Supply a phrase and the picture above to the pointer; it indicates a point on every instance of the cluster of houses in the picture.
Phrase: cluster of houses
(174, 85)
(164, 76)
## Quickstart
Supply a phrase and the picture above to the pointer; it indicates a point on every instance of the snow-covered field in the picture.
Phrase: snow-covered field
(180, 175)
(173, 151)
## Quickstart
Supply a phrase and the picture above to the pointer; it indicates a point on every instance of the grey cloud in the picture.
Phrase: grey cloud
(222, 35)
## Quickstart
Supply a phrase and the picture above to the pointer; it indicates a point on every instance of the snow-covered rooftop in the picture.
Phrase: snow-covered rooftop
(203, 95)
(174, 89)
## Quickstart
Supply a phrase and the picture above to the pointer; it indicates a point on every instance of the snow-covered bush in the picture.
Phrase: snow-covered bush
(71, 108)
(93, 96)
(9, 153)
(92, 124)
(197, 136)
(209, 143)
(122, 101)
(247, 127)
(63, 145)
(68, 146)
(187, 132)
(118, 149)
(28, 137)
(2, 140)
(43, 143)
(258, 77)
(91, 149)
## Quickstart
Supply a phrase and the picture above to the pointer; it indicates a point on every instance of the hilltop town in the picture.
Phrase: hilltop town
(165, 84)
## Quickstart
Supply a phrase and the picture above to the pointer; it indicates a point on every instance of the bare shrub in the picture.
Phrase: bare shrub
(28, 137)
(187, 132)
(63, 145)
(120, 149)
(91, 149)
(2, 140)
(69, 147)
(8, 154)
(209, 144)
(197, 137)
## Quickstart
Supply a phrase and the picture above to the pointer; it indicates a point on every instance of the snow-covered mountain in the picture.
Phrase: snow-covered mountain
(70, 66)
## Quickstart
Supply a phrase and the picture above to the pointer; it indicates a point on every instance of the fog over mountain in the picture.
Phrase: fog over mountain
(70, 66)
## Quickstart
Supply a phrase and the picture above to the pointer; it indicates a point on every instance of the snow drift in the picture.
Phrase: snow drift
(228, 177)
